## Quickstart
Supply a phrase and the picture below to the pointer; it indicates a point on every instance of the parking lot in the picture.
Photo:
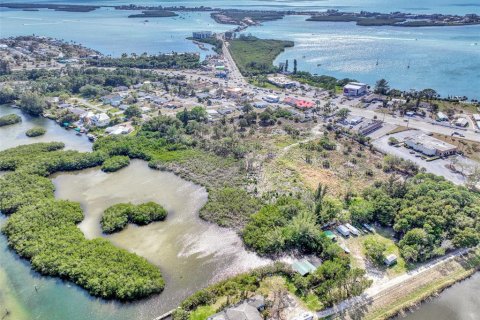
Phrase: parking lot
(438, 167)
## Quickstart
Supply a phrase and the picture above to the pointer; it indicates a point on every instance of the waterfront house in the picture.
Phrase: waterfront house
(77, 111)
(101, 120)
(354, 89)
(247, 310)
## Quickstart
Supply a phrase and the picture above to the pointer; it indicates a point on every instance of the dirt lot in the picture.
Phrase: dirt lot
(350, 167)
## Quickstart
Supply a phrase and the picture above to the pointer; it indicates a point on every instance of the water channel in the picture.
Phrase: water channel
(190, 252)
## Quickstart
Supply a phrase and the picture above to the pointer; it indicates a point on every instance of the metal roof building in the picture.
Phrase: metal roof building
(303, 267)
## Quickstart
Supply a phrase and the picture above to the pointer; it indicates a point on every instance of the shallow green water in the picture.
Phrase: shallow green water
(190, 252)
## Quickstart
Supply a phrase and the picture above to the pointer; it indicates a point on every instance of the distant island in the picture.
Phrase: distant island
(154, 14)
(245, 18)
(56, 7)
(398, 19)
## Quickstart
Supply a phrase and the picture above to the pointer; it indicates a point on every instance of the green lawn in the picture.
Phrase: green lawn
(255, 56)
(202, 313)
(391, 248)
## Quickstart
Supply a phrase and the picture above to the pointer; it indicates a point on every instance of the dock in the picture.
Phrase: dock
(165, 315)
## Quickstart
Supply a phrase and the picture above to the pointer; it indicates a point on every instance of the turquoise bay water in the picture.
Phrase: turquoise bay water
(423, 6)
(446, 59)
(109, 30)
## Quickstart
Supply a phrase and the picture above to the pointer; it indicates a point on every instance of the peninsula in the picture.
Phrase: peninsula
(245, 18)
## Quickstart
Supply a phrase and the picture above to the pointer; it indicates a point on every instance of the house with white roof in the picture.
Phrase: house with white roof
(101, 119)
(354, 89)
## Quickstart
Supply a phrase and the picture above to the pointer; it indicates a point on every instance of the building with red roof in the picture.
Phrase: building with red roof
(298, 103)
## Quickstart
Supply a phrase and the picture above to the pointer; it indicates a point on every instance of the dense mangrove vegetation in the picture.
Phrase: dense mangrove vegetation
(144, 61)
(255, 56)
(116, 217)
(43, 230)
(115, 163)
(9, 119)
(35, 132)
(429, 214)
(284, 226)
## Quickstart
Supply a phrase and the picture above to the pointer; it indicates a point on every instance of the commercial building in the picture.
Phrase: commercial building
(366, 128)
(442, 116)
(461, 122)
(272, 98)
(298, 103)
(353, 121)
(430, 146)
(201, 34)
(476, 118)
(282, 82)
(354, 89)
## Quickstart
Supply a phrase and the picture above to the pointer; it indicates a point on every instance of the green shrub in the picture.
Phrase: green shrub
(116, 217)
(43, 230)
(115, 163)
(284, 226)
(35, 132)
(229, 207)
(9, 119)
(147, 212)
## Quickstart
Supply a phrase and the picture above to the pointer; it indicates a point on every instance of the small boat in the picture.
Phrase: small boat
(319, 64)
(377, 63)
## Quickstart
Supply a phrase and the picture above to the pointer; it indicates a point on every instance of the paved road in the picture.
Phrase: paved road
(376, 291)
(235, 73)
(414, 123)
(428, 125)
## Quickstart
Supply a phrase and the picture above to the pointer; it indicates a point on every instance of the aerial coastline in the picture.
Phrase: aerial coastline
(244, 17)
(229, 176)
